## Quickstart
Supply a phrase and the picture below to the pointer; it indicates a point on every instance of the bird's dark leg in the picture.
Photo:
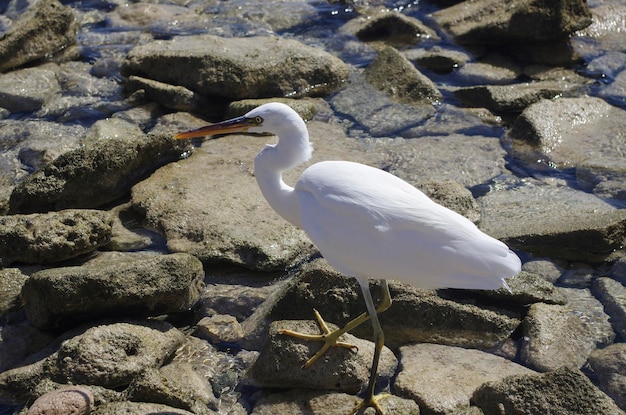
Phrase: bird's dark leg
(371, 400)
(330, 338)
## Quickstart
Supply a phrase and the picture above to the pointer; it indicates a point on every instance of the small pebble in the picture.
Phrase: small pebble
(68, 400)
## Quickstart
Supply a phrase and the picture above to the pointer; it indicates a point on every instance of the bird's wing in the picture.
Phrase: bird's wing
(368, 222)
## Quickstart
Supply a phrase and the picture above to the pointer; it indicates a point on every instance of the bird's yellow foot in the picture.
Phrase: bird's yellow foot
(330, 339)
(371, 402)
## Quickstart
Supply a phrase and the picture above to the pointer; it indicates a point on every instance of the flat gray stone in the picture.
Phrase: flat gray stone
(129, 285)
(609, 366)
(442, 379)
(612, 295)
(41, 238)
(27, 90)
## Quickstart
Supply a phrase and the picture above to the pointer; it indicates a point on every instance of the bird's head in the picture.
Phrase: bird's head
(274, 118)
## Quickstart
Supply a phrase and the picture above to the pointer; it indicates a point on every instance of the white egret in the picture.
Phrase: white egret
(367, 223)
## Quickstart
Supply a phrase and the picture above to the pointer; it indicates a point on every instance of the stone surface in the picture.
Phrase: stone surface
(176, 385)
(308, 402)
(27, 90)
(69, 400)
(219, 328)
(95, 174)
(340, 369)
(554, 337)
(612, 295)
(564, 391)
(137, 408)
(52, 237)
(442, 379)
(609, 367)
(232, 69)
(129, 285)
(390, 27)
(502, 22)
(46, 28)
(393, 74)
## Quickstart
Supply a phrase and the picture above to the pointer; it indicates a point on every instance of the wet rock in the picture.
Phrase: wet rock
(375, 112)
(528, 288)
(499, 72)
(130, 285)
(511, 98)
(554, 337)
(137, 408)
(393, 74)
(18, 341)
(176, 385)
(442, 379)
(442, 158)
(309, 402)
(553, 221)
(609, 366)
(104, 355)
(214, 195)
(564, 391)
(219, 328)
(27, 90)
(437, 58)
(52, 237)
(591, 313)
(94, 174)
(341, 369)
(392, 28)
(69, 400)
(11, 281)
(613, 295)
(415, 315)
(46, 28)
(232, 69)
(503, 22)
(174, 97)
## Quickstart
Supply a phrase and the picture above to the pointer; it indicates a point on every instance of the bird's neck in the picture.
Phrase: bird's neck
(281, 197)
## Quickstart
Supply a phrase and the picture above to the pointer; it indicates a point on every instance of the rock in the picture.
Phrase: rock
(393, 74)
(554, 337)
(137, 408)
(310, 402)
(108, 355)
(526, 288)
(553, 221)
(503, 22)
(415, 315)
(340, 369)
(176, 385)
(441, 158)
(131, 285)
(52, 237)
(69, 400)
(232, 69)
(174, 97)
(46, 28)
(442, 379)
(219, 328)
(392, 28)
(11, 281)
(564, 391)
(18, 341)
(609, 368)
(591, 313)
(612, 295)
(113, 355)
(499, 72)
(511, 98)
(94, 174)
(543, 268)
(305, 107)
(209, 205)
(375, 112)
(437, 59)
(27, 90)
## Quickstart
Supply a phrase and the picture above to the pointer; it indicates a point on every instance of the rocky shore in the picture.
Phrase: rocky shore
(141, 274)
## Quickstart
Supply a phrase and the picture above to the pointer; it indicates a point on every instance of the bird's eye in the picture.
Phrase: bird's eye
(258, 120)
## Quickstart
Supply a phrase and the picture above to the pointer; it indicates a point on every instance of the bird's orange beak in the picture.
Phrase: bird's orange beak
(235, 125)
